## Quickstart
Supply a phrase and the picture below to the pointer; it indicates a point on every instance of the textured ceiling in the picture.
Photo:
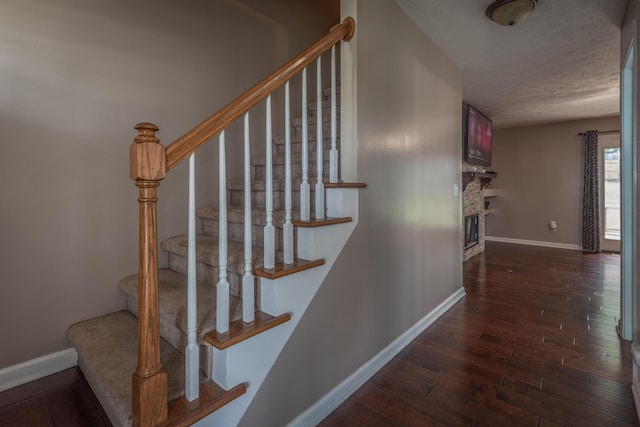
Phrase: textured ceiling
(560, 63)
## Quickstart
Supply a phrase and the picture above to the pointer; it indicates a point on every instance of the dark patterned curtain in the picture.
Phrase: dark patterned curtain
(590, 195)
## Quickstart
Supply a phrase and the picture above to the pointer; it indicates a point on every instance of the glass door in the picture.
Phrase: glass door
(609, 158)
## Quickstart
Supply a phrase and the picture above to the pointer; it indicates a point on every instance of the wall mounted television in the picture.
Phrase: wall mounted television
(477, 147)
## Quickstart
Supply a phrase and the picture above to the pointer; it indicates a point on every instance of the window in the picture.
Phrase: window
(612, 193)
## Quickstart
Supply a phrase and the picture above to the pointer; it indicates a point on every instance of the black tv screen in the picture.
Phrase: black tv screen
(478, 141)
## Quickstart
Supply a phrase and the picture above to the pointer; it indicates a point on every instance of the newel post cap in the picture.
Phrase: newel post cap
(146, 154)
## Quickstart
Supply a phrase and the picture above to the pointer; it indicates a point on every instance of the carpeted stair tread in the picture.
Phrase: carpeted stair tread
(278, 171)
(207, 251)
(172, 294)
(296, 159)
(326, 92)
(326, 105)
(312, 138)
(107, 355)
(312, 120)
(235, 214)
(260, 184)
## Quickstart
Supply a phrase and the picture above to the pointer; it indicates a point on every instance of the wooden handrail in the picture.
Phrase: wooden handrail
(182, 147)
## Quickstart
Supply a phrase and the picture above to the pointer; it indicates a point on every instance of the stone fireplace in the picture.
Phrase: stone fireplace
(473, 203)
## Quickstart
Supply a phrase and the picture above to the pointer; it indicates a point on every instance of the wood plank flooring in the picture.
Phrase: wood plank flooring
(532, 343)
(62, 399)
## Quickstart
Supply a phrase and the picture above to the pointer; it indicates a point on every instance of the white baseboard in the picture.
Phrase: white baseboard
(534, 243)
(321, 409)
(22, 373)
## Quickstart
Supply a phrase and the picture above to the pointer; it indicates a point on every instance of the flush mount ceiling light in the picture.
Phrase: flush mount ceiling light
(508, 12)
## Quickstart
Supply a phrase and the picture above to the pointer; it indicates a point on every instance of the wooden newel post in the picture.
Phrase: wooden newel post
(149, 391)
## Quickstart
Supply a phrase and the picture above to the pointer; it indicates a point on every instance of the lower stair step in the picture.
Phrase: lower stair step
(240, 331)
(107, 356)
(281, 269)
(172, 291)
(185, 413)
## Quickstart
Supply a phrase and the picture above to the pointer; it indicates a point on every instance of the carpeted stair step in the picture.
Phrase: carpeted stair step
(172, 291)
(107, 356)
(296, 158)
(235, 188)
(326, 102)
(326, 93)
(326, 108)
(235, 223)
(278, 165)
(260, 171)
(296, 135)
(207, 259)
(311, 120)
(296, 146)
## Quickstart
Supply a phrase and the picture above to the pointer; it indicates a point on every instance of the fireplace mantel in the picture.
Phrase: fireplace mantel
(485, 178)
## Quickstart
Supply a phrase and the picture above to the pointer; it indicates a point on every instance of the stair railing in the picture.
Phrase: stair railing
(150, 162)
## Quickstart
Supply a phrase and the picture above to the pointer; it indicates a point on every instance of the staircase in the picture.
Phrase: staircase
(233, 360)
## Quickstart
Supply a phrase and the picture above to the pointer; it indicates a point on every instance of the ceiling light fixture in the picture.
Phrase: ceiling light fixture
(509, 12)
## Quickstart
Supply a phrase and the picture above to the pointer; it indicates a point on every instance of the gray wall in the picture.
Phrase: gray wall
(404, 257)
(75, 76)
(540, 179)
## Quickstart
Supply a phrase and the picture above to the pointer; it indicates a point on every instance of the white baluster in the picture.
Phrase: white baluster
(248, 301)
(305, 191)
(333, 157)
(192, 354)
(222, 309)
(319, 183)
(269, 230)
(287, 227)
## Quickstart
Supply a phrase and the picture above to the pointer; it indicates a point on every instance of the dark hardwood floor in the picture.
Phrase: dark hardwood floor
(532, 343)
(62, 399)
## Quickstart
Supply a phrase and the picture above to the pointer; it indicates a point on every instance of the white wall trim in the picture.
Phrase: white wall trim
(534, 243)
(22, 373)
(322, 408)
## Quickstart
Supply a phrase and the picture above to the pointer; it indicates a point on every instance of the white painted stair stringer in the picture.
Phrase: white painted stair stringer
(250, 361)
